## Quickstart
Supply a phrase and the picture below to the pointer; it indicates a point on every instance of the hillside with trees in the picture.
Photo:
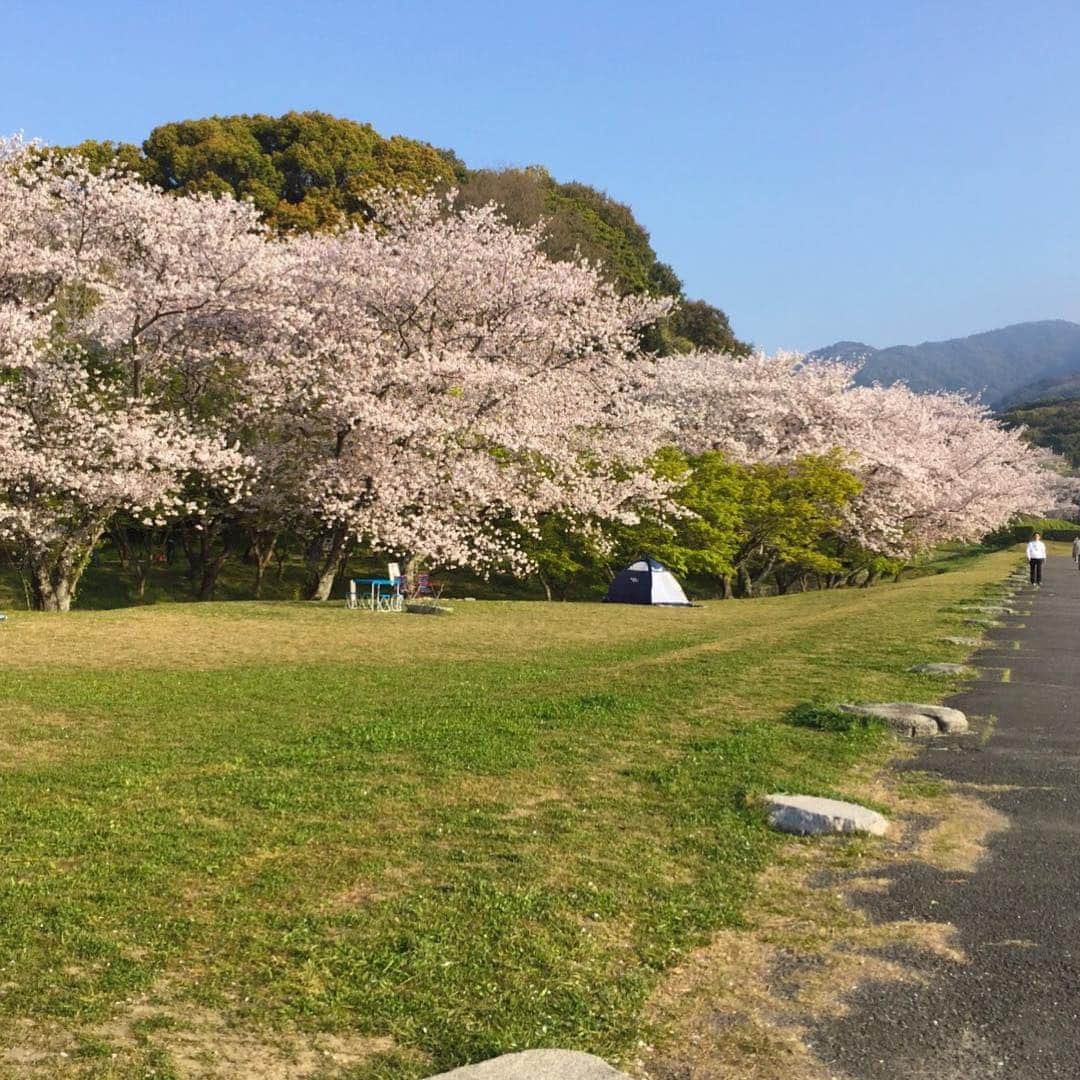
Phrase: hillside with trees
(1054, 424)
(1006, 366)
(308, 172)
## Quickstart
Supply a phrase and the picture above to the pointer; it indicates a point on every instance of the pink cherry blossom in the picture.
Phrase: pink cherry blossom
(118, 309)
(934, 467)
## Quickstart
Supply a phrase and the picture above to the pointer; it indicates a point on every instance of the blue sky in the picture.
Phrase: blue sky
(890, 173)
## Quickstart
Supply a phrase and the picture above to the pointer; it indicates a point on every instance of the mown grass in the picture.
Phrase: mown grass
(468, 834)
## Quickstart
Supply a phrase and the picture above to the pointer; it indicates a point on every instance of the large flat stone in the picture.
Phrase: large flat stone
(537, 1065)
(808, 815)
(913, 719)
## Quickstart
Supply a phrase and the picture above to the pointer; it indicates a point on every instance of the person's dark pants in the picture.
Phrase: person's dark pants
(1036, 571)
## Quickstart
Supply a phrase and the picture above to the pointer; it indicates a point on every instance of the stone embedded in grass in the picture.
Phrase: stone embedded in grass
(428, 609)
(912, 719)
(989, 609)
(807, 815)
(939, 669)
(537, 1065)
(963, 640)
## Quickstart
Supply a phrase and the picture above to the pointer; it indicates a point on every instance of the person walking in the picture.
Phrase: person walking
(1076, 552)
(1036, 553)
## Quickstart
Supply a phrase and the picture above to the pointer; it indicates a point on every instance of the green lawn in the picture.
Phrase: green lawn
(340, 844)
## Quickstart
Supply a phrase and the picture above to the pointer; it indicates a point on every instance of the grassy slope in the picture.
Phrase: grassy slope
(471, 834)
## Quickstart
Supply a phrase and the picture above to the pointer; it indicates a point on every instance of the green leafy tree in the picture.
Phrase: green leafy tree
(749, 523)
(304, 171)
(570, 560)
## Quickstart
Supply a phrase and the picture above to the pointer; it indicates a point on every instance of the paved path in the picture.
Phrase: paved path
(1013, 1009)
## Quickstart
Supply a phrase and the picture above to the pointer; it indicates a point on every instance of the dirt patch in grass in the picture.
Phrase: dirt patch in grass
(209, 1045)
(740, 1008)
(187, 1043)
(30, 736)
(392, 881)
(958, 840)
(529, 805)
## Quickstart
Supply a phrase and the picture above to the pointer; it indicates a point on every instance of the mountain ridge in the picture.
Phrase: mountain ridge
(1008, 365)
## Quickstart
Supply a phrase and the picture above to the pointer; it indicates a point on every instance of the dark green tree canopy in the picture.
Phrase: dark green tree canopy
(308, 171)
(578, 219)
(304, 171)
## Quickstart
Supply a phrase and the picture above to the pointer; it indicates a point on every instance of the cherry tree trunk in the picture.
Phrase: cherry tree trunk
(48, 593)
(263, 543)
(325, 557)
(207, 549)
(135, 549)
(547, 586)
(412, 566)
(54, 574)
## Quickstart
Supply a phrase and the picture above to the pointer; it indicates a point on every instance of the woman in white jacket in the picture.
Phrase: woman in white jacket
(1036, 553)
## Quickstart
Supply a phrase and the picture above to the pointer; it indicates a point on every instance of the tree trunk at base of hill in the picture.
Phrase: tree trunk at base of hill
(746, 586)
(263, 543)
(53, 575)
(794, 581)
(326, 555)
(136, 550)
(207, 547)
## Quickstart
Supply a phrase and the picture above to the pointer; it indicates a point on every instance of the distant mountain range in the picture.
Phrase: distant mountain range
(1021, 363)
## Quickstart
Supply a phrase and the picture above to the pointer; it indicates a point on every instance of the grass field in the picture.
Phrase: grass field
(291, 840)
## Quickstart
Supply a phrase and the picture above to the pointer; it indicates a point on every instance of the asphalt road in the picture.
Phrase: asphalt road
(1012, 1009)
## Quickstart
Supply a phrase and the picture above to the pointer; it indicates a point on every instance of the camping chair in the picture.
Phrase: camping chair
(422, 588)
(427, 588)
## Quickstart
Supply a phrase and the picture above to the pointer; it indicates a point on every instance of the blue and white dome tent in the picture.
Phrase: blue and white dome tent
(646, 582)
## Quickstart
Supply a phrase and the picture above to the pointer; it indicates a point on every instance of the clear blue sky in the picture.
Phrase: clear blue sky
(886, 172)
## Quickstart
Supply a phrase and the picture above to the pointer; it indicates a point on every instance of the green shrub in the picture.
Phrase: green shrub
(1020, 531)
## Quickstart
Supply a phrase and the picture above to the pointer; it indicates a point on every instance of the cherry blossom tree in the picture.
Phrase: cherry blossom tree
(121, 311)
(933, 467)
(439, 383)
